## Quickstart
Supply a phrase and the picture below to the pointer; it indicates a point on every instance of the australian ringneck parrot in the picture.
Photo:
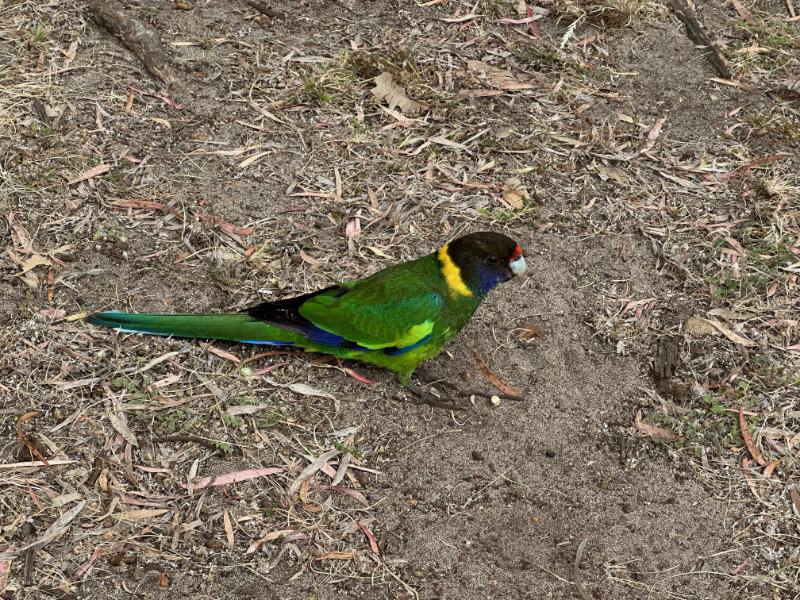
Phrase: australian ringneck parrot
(395, 318)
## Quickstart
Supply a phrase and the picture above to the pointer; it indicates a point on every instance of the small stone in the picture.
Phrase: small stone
(495, 400)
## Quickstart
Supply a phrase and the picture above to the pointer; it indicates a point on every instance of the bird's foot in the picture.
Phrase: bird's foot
(426, 397)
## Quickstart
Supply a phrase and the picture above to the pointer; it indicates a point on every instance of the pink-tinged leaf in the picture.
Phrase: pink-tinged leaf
(534, 27)
(164, 99)
(5, 569)
(85, 568)
(308, 259)
(373, 543)
(353, 227)
(22, 241)
(53, 312)
(491, 376)
(748, 440)
(738, 569)
(466, 17)
(653, 430)
(656, 130)
(220, 353)
(517, 21)
(167, 381)
(358, 377)
(89, 173)
(229, 228)
(269, 368)
(234, 477)
(357, 496)
(770, 468)
(273, 535)
(755, 163)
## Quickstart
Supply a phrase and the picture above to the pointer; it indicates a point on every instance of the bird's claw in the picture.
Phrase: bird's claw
(421, 396)
(461, 392)
(425, 397)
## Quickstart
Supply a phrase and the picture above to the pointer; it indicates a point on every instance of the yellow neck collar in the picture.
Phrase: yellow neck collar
(452, 274)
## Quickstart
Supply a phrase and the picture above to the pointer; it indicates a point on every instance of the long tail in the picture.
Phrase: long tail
(238, 327)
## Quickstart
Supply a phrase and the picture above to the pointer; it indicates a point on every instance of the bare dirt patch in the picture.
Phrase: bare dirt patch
(657, 204)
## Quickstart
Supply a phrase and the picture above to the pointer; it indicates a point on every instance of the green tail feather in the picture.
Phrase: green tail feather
(236, 327)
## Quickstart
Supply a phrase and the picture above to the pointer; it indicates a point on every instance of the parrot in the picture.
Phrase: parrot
(395, 318)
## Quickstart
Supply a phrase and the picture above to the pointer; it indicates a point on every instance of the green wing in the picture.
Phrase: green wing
(387, 310)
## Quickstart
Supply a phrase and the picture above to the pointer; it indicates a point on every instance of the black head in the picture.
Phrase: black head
(483, 260)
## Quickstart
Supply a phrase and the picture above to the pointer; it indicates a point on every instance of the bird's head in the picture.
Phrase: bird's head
(475, 263)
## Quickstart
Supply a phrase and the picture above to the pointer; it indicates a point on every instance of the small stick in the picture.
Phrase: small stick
(698, 35)
(139, 37)
(576, 573)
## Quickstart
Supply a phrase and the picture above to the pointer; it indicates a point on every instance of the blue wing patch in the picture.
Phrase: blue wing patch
(395, 351)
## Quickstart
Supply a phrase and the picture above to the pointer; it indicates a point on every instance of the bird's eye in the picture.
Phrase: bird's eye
(492, 260)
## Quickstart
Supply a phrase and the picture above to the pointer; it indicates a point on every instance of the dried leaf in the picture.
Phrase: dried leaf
(5, 571)
(373, 543)
(145, 204)
(395, 96)
(653, 430)
(89, 173)
(795, 501)
(515, 193)
(527, 332)
(770, 468)
(307, 390)
(251, 159)
(143, 514)
(358, 377)
(272, 535)
(226, 520)
(353, 227)
(343, 555)
(122, 428)
(22, 241)
(312, 508)
(491, 376)
(748, 440)
(731, 335)
(656, 130)
(311, 469)
(496, 77)
(221, 353)
(234, 477)
(57, 529)
(380, 252)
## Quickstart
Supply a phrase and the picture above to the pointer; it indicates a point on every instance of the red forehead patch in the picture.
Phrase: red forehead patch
(517, 252)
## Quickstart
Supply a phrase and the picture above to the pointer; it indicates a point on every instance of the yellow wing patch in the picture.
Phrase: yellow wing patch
(411, 336)
(452, 274)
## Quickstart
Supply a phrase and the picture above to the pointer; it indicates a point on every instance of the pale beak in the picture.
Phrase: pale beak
(518, 266)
